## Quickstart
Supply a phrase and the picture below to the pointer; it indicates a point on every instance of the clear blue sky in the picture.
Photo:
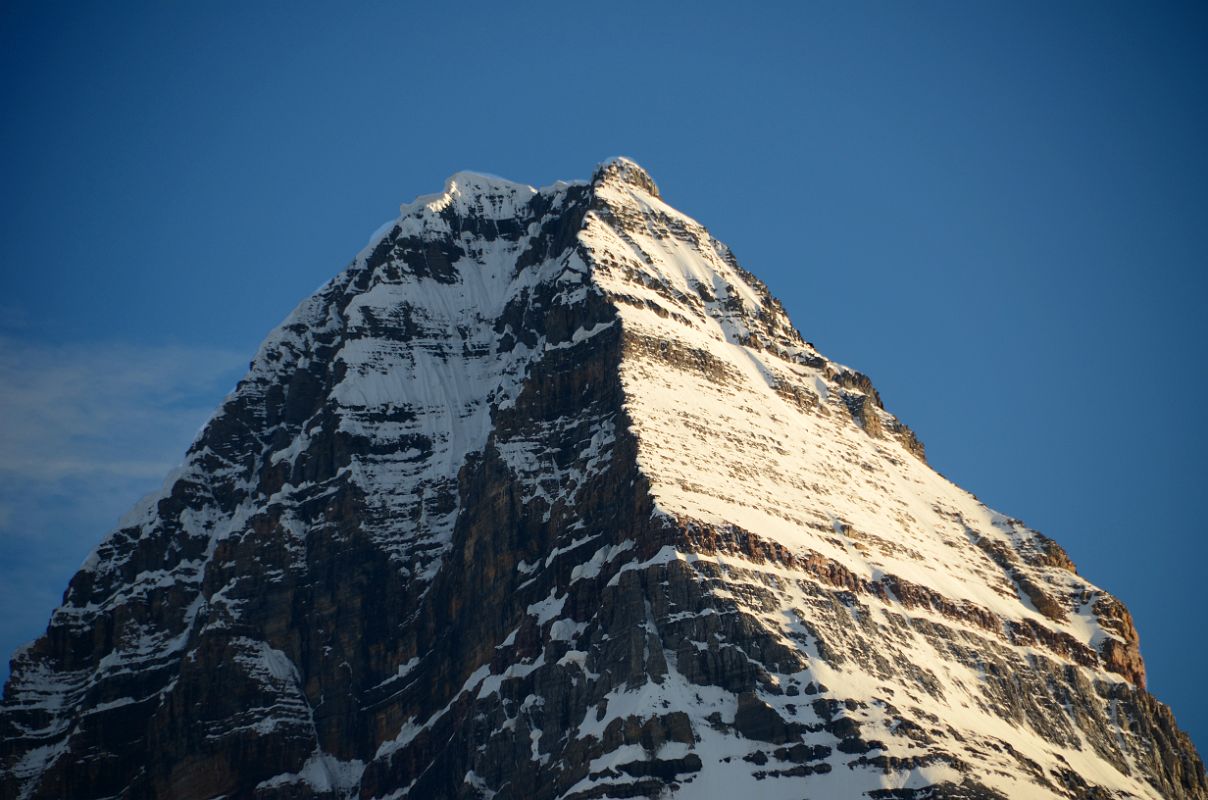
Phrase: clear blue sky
(997, 210)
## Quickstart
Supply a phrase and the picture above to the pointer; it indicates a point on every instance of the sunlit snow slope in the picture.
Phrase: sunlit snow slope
(950, 612)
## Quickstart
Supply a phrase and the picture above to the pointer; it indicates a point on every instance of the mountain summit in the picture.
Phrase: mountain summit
(545, 497)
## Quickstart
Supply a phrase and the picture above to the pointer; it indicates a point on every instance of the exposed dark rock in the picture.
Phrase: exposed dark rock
(757, 720)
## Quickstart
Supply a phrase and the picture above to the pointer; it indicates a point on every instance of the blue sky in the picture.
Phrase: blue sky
(997, 210)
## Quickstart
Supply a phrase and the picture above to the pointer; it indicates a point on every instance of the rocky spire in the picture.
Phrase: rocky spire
(623, 171)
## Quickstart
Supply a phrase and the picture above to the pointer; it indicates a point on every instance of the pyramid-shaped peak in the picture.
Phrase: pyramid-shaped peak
(620, 169)
(557, 444)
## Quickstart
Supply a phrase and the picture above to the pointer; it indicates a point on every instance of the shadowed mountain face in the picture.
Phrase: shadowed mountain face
(545, 497)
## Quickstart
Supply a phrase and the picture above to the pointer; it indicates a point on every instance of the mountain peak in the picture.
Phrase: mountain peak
(544, 496)
(625, 171)
(480, 193)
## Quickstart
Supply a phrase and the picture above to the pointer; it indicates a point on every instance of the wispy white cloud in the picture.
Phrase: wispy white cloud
(79, 410)
(86, 429)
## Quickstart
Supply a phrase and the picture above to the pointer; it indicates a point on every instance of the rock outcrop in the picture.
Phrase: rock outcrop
(545, 497)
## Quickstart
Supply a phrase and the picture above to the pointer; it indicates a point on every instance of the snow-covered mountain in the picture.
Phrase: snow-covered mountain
(545, 497)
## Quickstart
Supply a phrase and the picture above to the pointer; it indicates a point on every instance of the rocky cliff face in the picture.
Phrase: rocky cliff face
(545, 497)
